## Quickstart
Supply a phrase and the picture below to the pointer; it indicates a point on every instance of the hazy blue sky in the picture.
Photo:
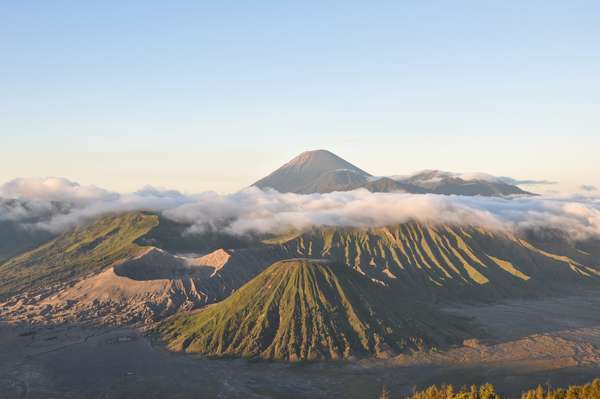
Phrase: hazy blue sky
(212, 95)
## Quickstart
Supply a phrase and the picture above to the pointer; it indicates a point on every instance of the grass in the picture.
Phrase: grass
(84, 250)
(310, 310)
(461, 263)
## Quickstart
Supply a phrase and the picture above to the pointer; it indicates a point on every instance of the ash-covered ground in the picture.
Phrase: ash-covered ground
(551, 341)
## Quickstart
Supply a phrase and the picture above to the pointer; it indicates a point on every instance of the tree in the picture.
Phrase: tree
(385, 394)
(487, 391)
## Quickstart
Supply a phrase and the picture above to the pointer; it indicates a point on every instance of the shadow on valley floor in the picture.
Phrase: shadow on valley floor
(515, 319)
(71, 361)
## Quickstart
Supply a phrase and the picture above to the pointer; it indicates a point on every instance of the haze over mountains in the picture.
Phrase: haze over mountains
(321, 171)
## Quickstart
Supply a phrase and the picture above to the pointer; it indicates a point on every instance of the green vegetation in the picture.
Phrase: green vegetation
(587, 391)
(309, 310)
(460, 262)
(487, 391)
(84, 250)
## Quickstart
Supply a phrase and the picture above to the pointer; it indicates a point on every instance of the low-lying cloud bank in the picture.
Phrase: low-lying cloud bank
(253, 210)
(58, 204)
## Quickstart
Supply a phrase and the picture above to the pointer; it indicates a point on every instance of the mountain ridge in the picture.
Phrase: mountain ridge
(134, 264)
(308, 309)
(321, 171)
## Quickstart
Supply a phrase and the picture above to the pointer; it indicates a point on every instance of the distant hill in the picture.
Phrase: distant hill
(313, 171)
(306, 309)
(389, 185)
(439, 182)
(321, 171)
(84, 250)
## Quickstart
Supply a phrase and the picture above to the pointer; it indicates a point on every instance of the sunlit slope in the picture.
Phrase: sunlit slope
(306, 310)
(459, 261)
(84, 250)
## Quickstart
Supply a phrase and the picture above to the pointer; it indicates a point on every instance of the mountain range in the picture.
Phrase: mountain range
(318, 293)
(321, 171)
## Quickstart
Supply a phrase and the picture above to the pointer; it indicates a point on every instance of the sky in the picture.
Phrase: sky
(199, 96)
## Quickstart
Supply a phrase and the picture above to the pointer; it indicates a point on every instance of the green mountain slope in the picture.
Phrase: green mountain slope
(416, 261)
(306, 310)
(84, 250)
(457, 262)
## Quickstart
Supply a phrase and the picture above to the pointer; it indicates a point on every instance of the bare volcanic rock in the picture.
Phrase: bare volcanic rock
(144, 289)
(304, 309)
(216, 259)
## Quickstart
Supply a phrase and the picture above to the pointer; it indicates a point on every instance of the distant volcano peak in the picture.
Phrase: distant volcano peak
(323, 161)
(317, 156)
(311, 171)
(321, 171)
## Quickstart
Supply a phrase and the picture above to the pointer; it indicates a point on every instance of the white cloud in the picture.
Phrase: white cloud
(430, 176)
(57, 204)
(54, 189)
(253, 210)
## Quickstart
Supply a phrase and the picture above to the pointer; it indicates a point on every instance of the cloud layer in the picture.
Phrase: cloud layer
(253, 210)
(57, 204)
(54, 189)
